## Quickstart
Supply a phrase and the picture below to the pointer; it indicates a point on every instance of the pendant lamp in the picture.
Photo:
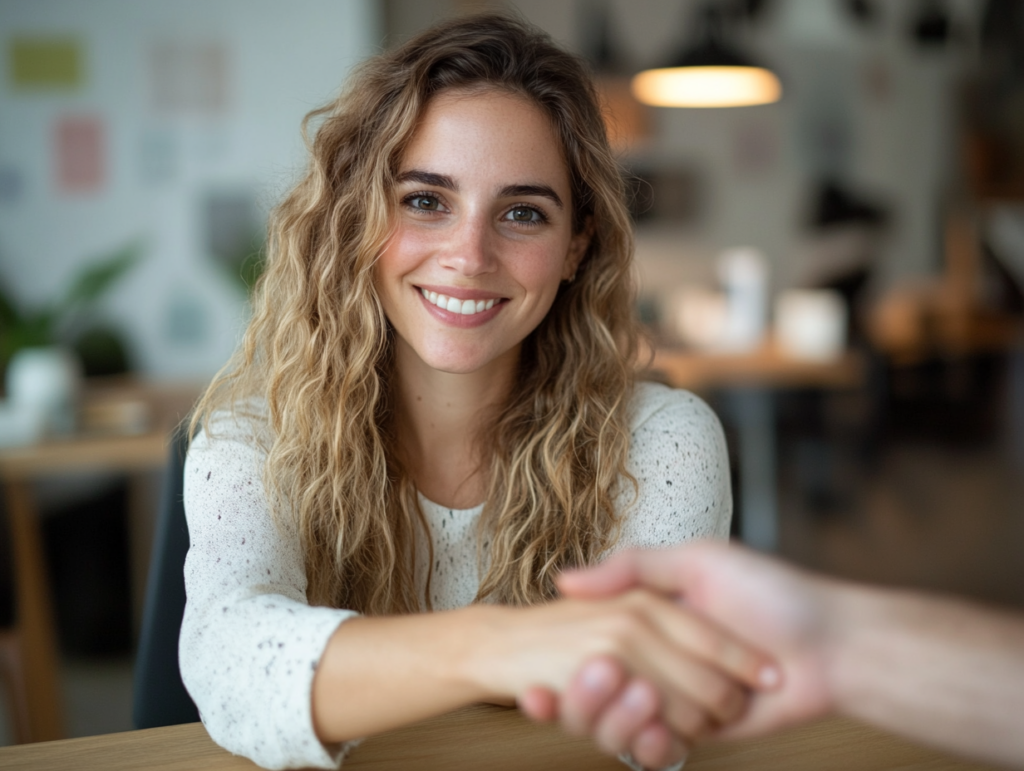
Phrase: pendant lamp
(708, 73)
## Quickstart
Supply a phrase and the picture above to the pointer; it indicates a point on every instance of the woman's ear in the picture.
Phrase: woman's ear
(578, 246)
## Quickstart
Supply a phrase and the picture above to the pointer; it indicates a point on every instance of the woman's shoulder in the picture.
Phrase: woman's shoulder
(681, 465)
(244, 422)
(658, 406)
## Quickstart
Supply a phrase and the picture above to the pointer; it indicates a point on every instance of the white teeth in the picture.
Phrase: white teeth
(454, 305)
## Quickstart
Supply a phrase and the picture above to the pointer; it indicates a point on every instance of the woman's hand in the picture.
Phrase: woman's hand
(682, 670)
(782, 609)
(407, 668)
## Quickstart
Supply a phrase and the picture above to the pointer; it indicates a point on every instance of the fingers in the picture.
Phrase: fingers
(714, 645)
(655, 746)
(701, 669)
(619, 715)
(613, 576)
(665, 571)
(590, 692)
(632, 711)
(662, 570)
(538, 703)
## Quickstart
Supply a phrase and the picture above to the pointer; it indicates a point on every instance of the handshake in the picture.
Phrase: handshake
(718, 641)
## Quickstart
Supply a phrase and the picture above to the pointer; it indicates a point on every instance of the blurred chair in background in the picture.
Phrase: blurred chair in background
(160, 695)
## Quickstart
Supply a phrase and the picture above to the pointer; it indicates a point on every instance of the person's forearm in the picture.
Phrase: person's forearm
(380, 673)
(936, 670)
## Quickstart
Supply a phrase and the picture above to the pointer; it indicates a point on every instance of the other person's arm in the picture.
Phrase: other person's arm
(941, 671)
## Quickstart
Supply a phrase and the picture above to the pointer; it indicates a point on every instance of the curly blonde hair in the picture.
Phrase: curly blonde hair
(319, 349)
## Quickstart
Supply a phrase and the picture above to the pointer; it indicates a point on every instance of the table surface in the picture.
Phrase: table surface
(766, 366)
(122, 453)
(493, 738)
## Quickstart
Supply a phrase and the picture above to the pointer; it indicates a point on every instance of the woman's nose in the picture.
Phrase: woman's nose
(470, 249)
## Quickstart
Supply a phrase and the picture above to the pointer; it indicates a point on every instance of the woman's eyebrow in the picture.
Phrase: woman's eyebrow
(429, 178)
(513, 191)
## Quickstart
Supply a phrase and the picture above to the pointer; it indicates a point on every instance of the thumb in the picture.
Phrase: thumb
(613, 576)
(671, 571)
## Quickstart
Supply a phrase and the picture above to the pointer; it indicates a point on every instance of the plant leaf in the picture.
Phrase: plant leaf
(9, 315)
(95, 279)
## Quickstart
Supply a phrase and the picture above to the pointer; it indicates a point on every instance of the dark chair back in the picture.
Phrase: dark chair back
(160, 696)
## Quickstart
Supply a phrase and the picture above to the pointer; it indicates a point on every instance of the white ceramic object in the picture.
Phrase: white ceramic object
(19, 427)
(46, 382)
(699, 317)
(811, 323)
(744, 276)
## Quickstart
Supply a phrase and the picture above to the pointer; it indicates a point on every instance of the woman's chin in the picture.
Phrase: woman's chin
(458, 366)
(469, 362)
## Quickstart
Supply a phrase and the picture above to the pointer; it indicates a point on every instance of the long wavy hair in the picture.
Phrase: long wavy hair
(318, 352)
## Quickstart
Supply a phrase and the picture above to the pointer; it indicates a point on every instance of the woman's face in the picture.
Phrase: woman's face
(483, 235)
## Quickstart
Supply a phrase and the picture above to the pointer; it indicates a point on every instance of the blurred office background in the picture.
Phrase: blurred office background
(142, 144)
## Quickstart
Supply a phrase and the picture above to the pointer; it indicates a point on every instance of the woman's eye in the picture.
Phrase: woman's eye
(525, 214)
(424, 203)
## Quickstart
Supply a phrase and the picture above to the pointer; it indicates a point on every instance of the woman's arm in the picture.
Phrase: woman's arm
(411, 667)
(498, 654)
(281, 682)
(249, 643)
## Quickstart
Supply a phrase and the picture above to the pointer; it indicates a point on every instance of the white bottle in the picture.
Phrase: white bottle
(744, 276)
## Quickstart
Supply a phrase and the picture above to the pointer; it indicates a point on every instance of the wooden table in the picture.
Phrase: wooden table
(766, 367)
(40, 716)
(747, 380)
(492, 739)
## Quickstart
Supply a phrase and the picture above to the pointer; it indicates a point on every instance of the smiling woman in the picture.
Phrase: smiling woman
(433, 413)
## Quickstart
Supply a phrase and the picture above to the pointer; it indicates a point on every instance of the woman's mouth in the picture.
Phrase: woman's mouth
(468, 307)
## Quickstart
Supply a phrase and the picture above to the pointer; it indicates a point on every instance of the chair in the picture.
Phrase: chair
(160, 695)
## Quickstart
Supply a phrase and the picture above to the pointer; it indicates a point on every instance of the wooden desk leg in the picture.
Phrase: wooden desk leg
(34, 617)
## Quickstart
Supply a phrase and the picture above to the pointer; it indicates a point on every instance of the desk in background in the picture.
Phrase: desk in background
(494, 739)
(747, 379)
(31, 646)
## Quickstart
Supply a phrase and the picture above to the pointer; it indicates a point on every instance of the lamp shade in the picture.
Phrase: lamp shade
(710, 73)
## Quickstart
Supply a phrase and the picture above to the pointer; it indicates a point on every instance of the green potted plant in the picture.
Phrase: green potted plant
(59, 322)
(44, 349)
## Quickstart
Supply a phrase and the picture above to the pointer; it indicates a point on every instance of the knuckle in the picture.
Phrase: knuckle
(610, 739)
(624, 625)
(717, 645)
(723, 695)
(689, 723)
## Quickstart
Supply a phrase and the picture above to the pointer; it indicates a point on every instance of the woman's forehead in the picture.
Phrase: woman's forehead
(486, 130)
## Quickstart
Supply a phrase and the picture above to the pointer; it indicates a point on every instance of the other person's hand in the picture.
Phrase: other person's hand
(651, 663)
(782, 610)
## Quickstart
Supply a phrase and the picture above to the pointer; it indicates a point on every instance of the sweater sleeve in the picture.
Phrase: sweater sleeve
(250, 643)
(679, 458)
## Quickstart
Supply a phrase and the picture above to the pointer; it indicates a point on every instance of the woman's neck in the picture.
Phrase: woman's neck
(439, 419)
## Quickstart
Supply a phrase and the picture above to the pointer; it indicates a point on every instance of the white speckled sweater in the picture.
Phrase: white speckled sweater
(250, 643)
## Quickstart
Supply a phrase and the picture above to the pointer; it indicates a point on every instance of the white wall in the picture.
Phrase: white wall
(283, 59)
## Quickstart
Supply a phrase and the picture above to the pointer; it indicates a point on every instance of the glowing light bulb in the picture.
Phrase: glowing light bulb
(713, 86)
